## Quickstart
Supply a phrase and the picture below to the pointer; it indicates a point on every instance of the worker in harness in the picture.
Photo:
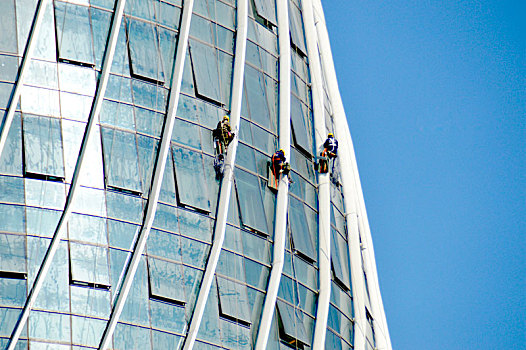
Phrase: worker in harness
(330, 151)
(219, 166)
(223, 135)
(279, 165)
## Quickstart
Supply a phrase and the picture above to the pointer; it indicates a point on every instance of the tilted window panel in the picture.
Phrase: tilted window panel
(43, 155)
(192, 188)
(144, 50)
(13, 256)
(291, 326)
(267, 10)
(166, 281)
(301, 235)
(74, 34)
(89, 265)
(121, 163)
(250, 202)
(301, 126)
(340, 259)
(233, 300)
(296, 28)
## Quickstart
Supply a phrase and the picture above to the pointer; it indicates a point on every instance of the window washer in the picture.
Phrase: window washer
(330, 151)
(223, 135)
(279, 165)
(330, 146)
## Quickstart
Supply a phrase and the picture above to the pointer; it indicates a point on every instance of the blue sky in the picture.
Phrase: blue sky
(435, 93)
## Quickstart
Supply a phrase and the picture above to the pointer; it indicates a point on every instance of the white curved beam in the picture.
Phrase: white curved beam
(157, 180)
(228, 176)
(324, 190)
(354, 203)
(280, 227)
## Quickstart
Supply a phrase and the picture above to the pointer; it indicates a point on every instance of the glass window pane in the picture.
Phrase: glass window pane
(86, 228)
(100, 21)
(257, 97)
(12, 291)
(301, 236)
(12, 253)
(291, 323)
(340, 258)
(233, 300)
(89, 264)
(189, 174)
(206, 75)
(8, 26)
(11, 157)
(144, 50)
(166, 280)
(121, 164)
(300, 126)
(87, 331)
(43, 146)
(13, 218)
(250, 203)
(267, 10)
(296, 28)
(74, 38)
(49, 326)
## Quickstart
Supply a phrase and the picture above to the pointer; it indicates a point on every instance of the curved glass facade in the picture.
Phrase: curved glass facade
(98, 206)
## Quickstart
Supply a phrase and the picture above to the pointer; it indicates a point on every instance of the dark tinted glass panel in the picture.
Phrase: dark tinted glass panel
(291, 322)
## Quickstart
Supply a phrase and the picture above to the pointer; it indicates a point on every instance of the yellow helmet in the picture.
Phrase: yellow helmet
(330, 135)
(226, 118)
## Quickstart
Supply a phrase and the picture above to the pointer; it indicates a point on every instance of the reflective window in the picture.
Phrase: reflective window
(121, 164)
(296, 28)
(267, 10)
(300, 229)
(291, 325)
(8, 25)
(301, 128)
(89, 265)
(233, 300)
(11, 157)
(204, 62)
(87, 331)
(166, 281)
(250, 203)
(13, 255)
(43, 147)
(340, 259)
(192, 188)
(144, 50)
(74, 36)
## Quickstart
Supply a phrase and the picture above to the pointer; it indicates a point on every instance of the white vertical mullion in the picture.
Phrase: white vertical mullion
(228, 176)
(354, 202)
(26, 61)
(324, 190)
(75, 182)
(280, 227)
(160, 166)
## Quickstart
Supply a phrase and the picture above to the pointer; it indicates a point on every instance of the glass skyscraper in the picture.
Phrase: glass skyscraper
(115, 230)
